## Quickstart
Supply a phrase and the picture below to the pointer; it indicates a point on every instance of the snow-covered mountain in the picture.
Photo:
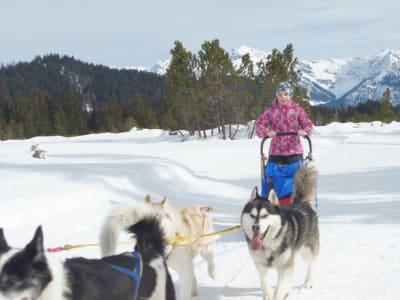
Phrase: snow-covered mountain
(353, 80)
(347, 81)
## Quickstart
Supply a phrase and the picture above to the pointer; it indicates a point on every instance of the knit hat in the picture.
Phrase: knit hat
(284, 87)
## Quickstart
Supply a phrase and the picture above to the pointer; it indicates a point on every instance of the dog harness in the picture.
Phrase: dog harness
(135, 274)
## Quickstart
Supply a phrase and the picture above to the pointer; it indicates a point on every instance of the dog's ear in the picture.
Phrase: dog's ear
(164, 201)
(147, 199)
(254, 194)
(35, 249)
(273, 198)
(3, 243)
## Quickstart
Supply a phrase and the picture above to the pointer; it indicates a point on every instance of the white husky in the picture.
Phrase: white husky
(188, 221)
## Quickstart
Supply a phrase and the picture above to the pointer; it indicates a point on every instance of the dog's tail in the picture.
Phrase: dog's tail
(138, 219)
(305, 185)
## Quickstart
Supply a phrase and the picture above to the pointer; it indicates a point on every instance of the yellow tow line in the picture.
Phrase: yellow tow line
(178, 239)
(173, 240)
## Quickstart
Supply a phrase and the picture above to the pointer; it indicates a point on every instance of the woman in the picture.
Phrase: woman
(285, 115)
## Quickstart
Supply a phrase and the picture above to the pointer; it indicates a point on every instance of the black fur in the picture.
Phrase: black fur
(89, 279)
(95, 279)
(151, 245)
(3, 243)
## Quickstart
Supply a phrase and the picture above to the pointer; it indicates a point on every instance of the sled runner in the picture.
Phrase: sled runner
(280, 177)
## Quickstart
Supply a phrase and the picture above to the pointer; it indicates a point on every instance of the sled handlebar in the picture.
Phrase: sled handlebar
(285, 134)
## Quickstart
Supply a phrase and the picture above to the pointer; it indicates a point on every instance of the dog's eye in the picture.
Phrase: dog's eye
(263, 216)
(253, 216)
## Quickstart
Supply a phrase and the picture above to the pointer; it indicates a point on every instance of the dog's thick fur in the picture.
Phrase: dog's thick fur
(31, 273)
(275, 234)
(186, 221)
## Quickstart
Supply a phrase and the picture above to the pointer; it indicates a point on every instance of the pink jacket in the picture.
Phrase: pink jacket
(284, 118)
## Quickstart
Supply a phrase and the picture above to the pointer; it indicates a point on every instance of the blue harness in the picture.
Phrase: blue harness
(135, 274)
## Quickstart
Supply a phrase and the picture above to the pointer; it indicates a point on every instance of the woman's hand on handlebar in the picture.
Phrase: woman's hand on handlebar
(272, 133)
(302, 132)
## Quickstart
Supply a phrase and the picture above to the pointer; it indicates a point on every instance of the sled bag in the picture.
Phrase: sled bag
(280, 178)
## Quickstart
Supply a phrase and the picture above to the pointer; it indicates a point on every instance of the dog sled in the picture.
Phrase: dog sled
(280, 177)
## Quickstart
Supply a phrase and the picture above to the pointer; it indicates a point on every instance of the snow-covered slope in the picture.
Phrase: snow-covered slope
(71, 191)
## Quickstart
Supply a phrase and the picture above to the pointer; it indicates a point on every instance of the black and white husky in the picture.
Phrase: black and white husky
(31, 273)
(275, 234)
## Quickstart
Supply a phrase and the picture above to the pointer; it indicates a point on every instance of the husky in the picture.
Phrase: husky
(33, 274)
(190, 221)
(275, 234)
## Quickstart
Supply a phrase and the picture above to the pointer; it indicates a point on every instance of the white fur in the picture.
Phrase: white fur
(187, 221)
(271, 221)
(18, 296)
(119, 219)
(180, 258)
(58, 285)
(159, 290)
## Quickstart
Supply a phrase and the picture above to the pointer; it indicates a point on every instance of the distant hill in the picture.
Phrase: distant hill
(52, 74)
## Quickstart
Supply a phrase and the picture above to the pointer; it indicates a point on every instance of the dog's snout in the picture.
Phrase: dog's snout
(256, 227)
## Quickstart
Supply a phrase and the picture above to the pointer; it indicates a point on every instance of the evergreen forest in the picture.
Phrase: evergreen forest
(61, 95)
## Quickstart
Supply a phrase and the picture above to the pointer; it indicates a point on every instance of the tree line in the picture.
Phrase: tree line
(39, 115)
(56, 95)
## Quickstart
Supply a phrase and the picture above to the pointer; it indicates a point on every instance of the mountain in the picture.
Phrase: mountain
(354, 80)
(347, 81)
(53, 74)
(336, 82)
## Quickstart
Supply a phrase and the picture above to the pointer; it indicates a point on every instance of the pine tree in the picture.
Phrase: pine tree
(60, 123)
(216, 68)
(279, 66)
(180, 90)
(23, 118)
(129, 123)
(144, 114)
(386, 114)
(114, 113)
(74, 113)
(335, 116)
(6, 102)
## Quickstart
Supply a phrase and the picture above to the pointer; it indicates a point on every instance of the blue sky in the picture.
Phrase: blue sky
(134, 33)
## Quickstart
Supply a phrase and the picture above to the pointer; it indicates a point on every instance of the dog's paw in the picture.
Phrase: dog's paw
(211, 273)
(308, 285)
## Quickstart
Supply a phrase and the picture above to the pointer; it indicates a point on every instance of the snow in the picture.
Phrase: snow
(72, 189)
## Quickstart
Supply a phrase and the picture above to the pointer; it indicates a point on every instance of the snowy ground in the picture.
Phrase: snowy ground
(71, 191)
